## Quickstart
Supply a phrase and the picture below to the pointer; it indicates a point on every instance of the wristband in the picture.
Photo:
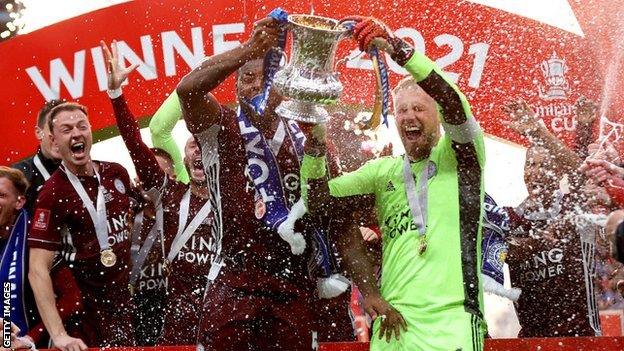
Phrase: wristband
(402, 51)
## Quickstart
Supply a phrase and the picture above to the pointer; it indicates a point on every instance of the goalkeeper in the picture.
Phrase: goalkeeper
(429, 205)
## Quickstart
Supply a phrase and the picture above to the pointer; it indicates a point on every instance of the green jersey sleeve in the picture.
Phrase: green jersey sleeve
(454, 109)
(358, 182)
(161, 126)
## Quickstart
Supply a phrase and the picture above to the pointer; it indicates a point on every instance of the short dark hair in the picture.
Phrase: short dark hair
(16, 177)
(45, 110)
(65, 106)
(162, 153)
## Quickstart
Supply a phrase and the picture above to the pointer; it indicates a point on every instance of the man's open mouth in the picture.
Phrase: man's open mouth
(412, 132)
(78, 148)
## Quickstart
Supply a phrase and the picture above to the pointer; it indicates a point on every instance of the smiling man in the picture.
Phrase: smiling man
(429, 204)
(82, 211)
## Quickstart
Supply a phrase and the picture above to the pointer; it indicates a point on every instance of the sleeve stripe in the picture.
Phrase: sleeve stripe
(45, 241)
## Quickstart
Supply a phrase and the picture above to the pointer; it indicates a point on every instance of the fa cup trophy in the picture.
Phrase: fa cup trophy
(309, 80)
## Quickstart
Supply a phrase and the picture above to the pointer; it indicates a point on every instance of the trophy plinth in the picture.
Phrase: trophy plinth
(308, 80)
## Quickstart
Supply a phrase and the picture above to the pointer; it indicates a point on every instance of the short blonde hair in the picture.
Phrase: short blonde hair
(407, 83)
(16, 177)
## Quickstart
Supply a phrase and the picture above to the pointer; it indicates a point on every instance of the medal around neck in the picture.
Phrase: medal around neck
(108, 258)
(422, 245)
(309, 80)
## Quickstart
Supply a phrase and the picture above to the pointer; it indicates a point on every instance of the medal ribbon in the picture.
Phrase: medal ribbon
(97, 214)
(185, 232)
(140, 255)
(136, 233)
(417, 201)
(44, 172)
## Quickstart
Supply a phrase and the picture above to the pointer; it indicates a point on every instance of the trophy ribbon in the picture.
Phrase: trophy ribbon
(382, 92)
(272, 59)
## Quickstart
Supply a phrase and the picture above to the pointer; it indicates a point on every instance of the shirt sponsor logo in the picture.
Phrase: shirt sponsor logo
(118, 229)
(197, 250)
(546, 264)
(399, 223)
(42, 219)
(152, 277)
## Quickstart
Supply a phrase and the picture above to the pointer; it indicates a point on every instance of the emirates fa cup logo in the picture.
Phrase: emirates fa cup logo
(554, 70)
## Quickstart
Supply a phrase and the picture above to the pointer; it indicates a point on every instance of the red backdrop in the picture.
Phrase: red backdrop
(494, 54)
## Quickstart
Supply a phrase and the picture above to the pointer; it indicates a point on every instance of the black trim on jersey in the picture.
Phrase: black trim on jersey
(618, 242)
(469, 182)
(477, 340)
(469, 175)
(447, 97)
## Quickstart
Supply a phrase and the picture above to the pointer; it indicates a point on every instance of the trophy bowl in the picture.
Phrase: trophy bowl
(309, 80)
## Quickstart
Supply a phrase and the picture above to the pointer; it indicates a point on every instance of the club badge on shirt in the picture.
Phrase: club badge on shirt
(260, 208)
(42, 218)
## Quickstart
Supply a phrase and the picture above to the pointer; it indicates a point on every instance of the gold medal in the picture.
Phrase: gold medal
(422, 245)
(108, 258)
(131, 288)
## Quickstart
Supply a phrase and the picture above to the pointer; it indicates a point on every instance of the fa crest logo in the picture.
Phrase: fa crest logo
(557, 87)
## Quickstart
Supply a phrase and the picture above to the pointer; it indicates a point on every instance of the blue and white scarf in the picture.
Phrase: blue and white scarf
(13, 269)
(264, 170)
(495, 249)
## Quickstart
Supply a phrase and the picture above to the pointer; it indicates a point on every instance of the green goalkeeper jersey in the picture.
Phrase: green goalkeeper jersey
(439, 290)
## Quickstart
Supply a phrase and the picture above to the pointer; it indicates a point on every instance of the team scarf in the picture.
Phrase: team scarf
(13, 269)
(495, 249)
(263, 168)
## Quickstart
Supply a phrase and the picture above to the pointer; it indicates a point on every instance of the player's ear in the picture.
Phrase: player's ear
(21, 201)
(39, 134)
(53, 142)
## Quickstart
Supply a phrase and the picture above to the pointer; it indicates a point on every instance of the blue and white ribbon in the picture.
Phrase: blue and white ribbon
(272, 60)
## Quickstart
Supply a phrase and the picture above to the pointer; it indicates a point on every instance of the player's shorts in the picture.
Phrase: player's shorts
(441, 331)
(236, 319)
